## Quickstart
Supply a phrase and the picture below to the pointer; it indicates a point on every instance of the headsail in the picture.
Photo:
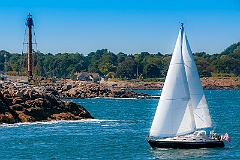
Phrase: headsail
(199, 104)
(174, 114)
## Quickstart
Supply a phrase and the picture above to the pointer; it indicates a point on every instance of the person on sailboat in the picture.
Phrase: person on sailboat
(212, 134)
(215, 136)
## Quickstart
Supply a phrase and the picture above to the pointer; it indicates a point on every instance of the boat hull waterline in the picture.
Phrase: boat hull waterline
(185, 145)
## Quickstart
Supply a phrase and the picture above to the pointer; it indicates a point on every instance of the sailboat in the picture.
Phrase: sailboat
(182, 112)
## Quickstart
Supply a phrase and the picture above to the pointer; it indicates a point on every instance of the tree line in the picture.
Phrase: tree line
(124, 66)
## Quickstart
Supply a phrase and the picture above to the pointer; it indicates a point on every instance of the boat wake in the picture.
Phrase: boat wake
(169, 153)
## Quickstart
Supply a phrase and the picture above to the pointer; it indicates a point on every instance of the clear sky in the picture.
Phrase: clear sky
(129, 26)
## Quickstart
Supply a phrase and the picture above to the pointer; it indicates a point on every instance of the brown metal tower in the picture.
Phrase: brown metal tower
(29, 24)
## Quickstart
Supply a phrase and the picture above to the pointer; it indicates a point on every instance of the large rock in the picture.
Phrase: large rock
(30, 104)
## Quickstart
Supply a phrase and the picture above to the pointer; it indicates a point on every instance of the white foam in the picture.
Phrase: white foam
(58, 121)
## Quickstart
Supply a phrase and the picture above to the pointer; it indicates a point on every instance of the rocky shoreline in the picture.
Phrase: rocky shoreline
(67, 88)
(82, 89)
(25, 103)
(21, 102)
(221, 83)
(208, 83)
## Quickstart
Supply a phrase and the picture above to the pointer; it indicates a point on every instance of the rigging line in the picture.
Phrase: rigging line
(186, 65)
(35, 39)
(199, 117)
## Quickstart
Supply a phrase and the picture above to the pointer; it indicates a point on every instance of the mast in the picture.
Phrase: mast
(29, 24)
(182, 25)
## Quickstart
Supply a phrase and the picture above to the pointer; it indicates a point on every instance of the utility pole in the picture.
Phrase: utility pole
(137, 73)
(5, 63)
(29, 24)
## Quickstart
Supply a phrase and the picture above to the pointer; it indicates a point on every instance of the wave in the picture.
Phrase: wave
(111, 98)
(57, 122)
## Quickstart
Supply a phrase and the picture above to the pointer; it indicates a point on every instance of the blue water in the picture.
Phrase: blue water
(119, 131)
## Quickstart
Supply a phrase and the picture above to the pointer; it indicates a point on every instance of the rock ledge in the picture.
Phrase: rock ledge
(25, 103)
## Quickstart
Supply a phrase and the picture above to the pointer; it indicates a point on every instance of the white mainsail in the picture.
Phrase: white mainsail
(174, 114)
(199, 104)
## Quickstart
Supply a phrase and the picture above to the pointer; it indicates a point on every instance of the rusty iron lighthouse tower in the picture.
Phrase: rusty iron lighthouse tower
(29, 24)
(29, 47)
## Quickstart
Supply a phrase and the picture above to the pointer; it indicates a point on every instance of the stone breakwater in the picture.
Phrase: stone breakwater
(25, 103)
(81, 89)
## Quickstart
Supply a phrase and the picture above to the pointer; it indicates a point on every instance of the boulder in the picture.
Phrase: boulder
(30, 104)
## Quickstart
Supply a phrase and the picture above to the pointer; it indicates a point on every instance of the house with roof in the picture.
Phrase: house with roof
(86, 76)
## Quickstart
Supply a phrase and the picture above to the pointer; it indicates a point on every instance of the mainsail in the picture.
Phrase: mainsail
(199, 104)
(174, 114)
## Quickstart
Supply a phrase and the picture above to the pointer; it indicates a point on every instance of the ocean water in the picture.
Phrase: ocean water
(119, 131)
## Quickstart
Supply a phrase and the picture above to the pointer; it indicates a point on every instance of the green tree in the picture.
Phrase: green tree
(105, 68)
(151, 71)
(121, 57)
(127, 69)
(203, 63)
(38, 69)
(94, 68)
(107, 63)
(230, 49)
(226, 64)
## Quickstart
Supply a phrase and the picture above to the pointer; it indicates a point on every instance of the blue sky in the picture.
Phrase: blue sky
(129, 26)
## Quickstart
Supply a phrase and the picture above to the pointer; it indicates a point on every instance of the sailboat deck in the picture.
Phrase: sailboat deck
(187, 139)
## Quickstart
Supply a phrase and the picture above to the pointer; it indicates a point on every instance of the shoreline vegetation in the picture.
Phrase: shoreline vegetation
(20, 102)
(104, 63)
